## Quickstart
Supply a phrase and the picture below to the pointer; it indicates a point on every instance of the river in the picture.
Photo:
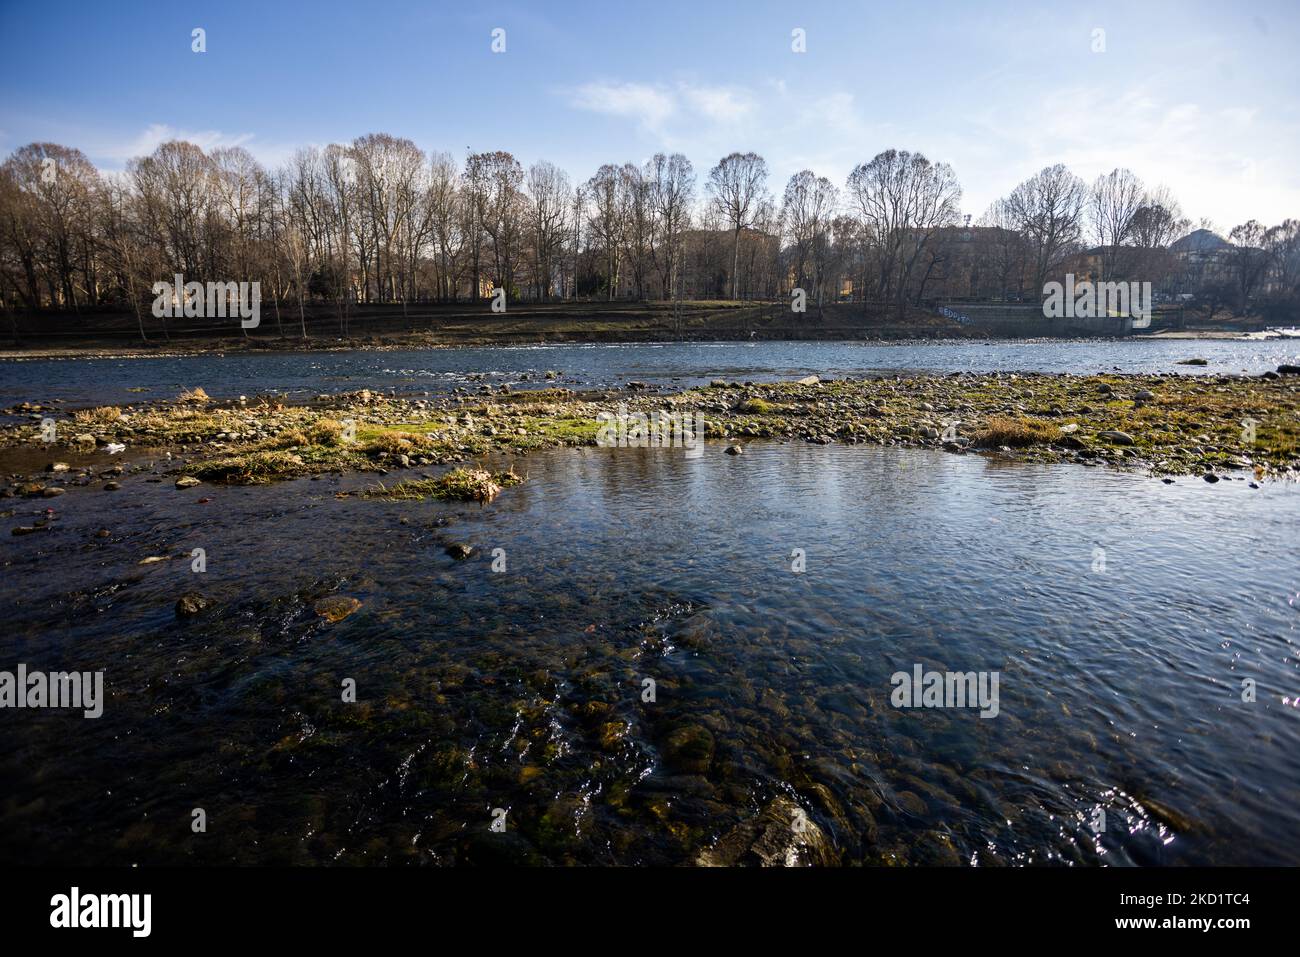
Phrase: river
(1143, 636)
(114, 381)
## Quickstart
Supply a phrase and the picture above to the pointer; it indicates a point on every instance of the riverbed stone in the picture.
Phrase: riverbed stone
(192, 603)
(689, 748)
(334, 608)
(1115, 437)
(781, 835)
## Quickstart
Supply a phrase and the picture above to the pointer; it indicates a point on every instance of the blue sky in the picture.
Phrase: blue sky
(1201, 96)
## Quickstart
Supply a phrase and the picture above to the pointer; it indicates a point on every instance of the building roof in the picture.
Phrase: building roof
(1200, 241)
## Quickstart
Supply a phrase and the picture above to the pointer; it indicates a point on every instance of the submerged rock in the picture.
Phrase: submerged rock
(781, 835)
(336, 607)
(1168, 816)
(460, 551)
(192, 603)
(734, 450)
(689, 748)
(912, 803)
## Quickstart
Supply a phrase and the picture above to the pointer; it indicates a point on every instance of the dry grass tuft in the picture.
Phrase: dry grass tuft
(252, 468)
(1015, 432)
(105, 415)
(397, 443)
(326, 432)
(458, 485)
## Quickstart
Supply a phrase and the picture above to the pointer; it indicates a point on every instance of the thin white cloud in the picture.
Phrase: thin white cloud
(649, 105)
(720, 104)
(156, 134)
(660, 109)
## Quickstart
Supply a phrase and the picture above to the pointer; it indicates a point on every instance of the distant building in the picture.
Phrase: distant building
(1201, 258)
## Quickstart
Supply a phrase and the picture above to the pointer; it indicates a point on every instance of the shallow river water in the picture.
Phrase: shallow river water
(1122, 616)
(90, 382)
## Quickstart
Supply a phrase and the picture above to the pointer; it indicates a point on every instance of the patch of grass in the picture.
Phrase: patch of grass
(195, 396)
(182, 425)
(325, 432)
(1015, 432)
(105, 415)
(571, 431)
(396, 442)
(288, 439)
(756, 407)
(250, 468)
(458, 485)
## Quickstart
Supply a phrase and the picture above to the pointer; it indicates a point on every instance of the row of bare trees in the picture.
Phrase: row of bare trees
(381, 221)
(1048, 220)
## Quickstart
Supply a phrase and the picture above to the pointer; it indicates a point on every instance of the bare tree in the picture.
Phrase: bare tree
(807, 211)
(495, 182)
(1250, 261)
(903, 200)
(638, 235)
(672, 188)
(1006, 248)
(1283, 245)
(1157, 223)
(608, 219)
(1113, 201)
(1047, 209)
(736, 188)
(549, 195)
(445, 201)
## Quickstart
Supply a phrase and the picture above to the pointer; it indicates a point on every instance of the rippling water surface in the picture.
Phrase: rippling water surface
(1121, 670)
(85, 382)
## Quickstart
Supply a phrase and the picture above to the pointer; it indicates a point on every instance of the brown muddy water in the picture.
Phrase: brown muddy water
(1121, 615)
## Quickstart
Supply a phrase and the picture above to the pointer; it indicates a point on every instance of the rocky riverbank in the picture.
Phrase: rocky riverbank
(1166, 425)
